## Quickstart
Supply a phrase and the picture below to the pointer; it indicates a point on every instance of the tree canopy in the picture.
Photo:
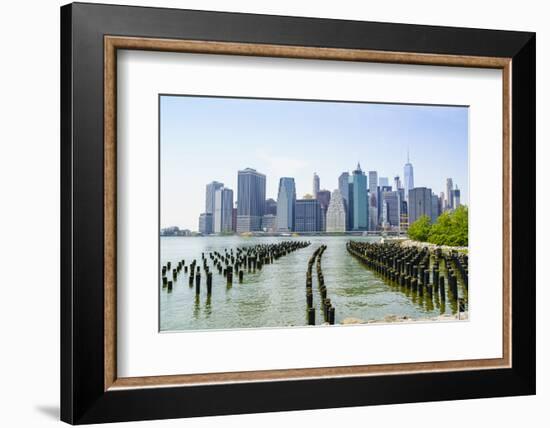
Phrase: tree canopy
(451, 228)
(420, 229)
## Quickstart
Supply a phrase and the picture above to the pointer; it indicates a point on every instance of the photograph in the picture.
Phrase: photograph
(292, 213)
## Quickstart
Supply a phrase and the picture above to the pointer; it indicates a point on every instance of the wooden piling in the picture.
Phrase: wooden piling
(209, 283)
(198, 283)
(311, 316)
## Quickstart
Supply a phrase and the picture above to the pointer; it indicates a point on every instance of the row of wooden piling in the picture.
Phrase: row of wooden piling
(415, 269)
(326, 305)
(227, 263)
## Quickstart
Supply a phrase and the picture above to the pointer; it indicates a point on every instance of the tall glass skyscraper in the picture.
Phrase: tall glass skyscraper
(205, 224)
(456, 197)
(336, 213)
(391, 207)
(323, 196)
(286, 203)
(210, 195)
(450, 197)
(349, 212)
(207, 219)
(420, 203)
(250, 200)
(373, 200)
(360, 211)
(343, 187)
(307, 215)
(435, 207)
(270, 206)
(223, 210)
(316, 184)
(408, 174)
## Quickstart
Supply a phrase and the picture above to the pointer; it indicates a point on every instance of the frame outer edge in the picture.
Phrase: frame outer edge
(81, 399)
(66, 226)
(523, 220)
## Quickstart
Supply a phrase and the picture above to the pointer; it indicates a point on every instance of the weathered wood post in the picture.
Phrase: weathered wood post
(331, 315)
(229, 276)
(209, 283)
(453, 286)
(198, 283)
(309, 298)
(435, 276)
(311, 316)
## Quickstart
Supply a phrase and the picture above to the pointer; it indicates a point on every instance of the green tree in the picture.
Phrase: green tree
(440, 230)
(451, 228)
(420, 229)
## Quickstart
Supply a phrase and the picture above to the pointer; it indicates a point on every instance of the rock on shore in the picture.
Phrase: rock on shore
(446, 248)
(389, 319)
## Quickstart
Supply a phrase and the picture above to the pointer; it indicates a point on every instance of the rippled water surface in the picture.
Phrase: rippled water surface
(275, 296)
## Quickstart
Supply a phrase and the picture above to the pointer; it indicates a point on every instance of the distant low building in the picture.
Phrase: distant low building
(175, 231)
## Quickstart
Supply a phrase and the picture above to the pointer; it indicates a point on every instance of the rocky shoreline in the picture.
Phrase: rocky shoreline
(411, 243)
(390, 319)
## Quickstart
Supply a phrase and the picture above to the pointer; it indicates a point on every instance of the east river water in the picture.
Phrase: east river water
(275, 295)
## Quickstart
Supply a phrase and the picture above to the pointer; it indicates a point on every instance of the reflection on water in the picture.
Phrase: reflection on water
(275, 295)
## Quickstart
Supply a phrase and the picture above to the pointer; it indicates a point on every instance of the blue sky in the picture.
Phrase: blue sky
(205, 139)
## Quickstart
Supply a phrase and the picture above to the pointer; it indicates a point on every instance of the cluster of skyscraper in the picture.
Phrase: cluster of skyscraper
(361, 203)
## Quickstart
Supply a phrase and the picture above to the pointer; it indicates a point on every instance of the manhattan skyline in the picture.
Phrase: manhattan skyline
(206, 139)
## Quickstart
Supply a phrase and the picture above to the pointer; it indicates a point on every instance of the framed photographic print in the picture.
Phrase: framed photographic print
(265, 213)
